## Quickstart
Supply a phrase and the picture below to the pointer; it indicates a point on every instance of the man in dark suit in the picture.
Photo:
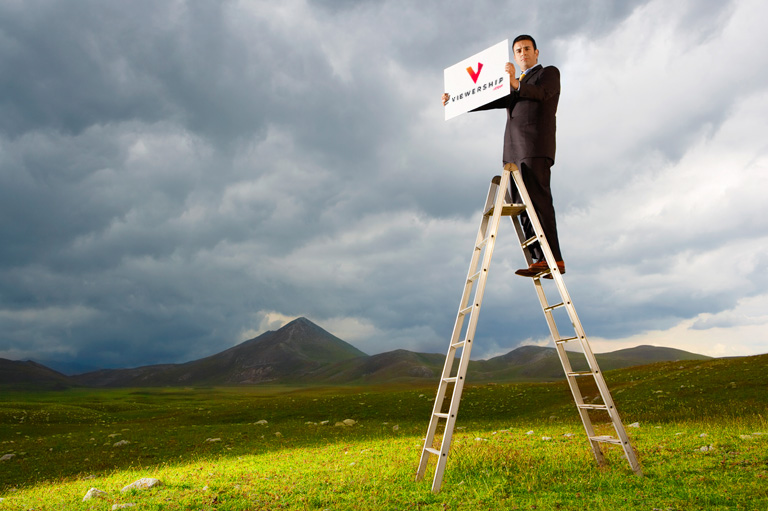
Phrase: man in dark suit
(529, 141)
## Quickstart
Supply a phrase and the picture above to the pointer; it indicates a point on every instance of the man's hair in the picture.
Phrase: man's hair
(525, 37)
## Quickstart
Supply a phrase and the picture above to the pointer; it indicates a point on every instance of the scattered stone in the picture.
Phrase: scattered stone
(395, 427)
(634, 425)
(746, 437)
(123, 506)
(323, 423)
(529, 432)
(142, 484)
(278, 434)
(94, 493)
(568, 435)
(481, 439)
(703, 435)
(212, 440)
(121, 443)
(7, 457)
(349, 422)
(262, 422)
(706, 448)
(545, 438)
(113, 435)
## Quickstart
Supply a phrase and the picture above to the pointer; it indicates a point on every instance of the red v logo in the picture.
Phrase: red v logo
(472, 73)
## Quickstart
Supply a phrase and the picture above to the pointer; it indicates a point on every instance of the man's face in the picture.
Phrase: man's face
(525, 56)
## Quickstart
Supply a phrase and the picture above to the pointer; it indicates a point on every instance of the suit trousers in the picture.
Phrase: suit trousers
(536, 176)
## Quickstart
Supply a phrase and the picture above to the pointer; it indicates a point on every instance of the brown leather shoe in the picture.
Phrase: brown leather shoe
(539, 267)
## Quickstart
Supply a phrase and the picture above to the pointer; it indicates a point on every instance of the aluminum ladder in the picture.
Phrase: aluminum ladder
(499, 204)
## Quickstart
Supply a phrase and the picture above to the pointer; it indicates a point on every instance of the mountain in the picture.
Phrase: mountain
(303, 353)
(17, 374)
(287, 354)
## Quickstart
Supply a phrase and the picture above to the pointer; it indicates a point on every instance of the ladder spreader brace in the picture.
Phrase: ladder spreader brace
(499, 204)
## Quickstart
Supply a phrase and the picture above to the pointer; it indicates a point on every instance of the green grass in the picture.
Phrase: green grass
(64, 444)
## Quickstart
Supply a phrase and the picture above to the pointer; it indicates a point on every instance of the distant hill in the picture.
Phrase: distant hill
(303, 353)
(526, 363)
(31, 375)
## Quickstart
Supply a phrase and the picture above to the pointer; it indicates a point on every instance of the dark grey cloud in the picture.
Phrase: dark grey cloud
(174, 176)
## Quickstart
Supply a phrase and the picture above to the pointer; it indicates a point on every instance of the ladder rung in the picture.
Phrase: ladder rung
(567, 339)
(580, 373)
(482, 243)
(512, 209)
(458, 344)
(606, 439)
(442, 415)
(529, 241)
(553, 307)
(432, 451)
(452, 379)
(592, 407)
(474, 277)
(463, 312)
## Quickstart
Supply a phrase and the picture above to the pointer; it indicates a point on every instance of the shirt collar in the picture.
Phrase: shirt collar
(528, 71)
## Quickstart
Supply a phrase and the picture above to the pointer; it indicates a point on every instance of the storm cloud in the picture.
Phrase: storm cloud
(177, 177)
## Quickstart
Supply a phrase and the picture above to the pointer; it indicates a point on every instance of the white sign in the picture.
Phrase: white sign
(478, 80)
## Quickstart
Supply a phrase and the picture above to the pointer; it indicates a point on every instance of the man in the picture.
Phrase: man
(529, 141)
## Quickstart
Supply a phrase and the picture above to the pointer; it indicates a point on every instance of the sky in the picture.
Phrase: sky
(177, 177)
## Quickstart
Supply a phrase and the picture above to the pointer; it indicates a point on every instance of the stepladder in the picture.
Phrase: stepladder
(585, 379)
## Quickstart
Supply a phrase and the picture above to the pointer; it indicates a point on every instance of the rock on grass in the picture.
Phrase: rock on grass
(94, 493)
(142, 484)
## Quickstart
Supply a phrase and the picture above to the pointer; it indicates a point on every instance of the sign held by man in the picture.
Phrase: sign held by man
(477, 80)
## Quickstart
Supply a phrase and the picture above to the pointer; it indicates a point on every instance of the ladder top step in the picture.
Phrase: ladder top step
(507, 210)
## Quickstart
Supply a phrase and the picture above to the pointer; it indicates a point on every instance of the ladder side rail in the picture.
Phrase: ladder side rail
(457, 329)
(579, 329)
(573, 385)
(613, 412)
(458, 387)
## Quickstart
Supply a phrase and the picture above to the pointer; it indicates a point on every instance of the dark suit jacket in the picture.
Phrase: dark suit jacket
(530, 131)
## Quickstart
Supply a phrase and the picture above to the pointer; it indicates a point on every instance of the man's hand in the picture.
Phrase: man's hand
(514, 83)
(445, 97)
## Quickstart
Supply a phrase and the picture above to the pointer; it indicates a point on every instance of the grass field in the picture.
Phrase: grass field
(702, 441)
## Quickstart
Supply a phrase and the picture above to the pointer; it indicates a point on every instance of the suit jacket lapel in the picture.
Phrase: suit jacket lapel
(531, 72)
